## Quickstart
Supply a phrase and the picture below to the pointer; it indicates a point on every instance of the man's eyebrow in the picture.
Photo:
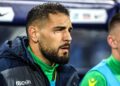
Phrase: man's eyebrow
(62, 27)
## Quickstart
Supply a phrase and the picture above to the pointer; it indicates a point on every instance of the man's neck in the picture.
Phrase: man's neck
(116, 54)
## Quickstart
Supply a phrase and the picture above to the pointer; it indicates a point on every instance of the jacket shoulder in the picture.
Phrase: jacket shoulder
(8, 63)
(93, 77)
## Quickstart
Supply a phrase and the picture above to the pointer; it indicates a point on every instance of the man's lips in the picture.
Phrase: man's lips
(65, 46)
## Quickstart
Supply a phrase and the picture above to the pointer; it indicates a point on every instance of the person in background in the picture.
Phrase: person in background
(39, 59)
(107, 72)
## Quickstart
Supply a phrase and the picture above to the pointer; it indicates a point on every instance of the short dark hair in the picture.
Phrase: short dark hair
(41, 12)
(114, 20)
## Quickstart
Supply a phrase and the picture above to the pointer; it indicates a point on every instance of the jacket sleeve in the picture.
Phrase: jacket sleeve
(2, 81)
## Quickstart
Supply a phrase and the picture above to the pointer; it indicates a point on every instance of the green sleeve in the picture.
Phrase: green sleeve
(93, 78)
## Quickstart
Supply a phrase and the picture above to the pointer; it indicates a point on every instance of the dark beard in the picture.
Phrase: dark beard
(52, 56)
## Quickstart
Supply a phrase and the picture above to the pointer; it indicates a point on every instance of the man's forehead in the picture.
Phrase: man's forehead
(60, 19)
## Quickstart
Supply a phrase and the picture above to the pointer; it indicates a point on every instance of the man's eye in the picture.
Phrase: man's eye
(70, 30)
(59, 29)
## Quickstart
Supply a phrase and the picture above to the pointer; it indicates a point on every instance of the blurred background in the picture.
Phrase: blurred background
(89, 18)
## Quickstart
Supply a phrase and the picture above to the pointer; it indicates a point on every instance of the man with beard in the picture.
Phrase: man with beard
(39, 59)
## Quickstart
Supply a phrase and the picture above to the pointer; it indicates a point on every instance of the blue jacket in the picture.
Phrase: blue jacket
(17, 67)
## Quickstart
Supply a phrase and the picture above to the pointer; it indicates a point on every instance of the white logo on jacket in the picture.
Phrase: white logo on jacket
(22, 83)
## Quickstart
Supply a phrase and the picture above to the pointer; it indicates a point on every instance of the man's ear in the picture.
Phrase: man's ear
(112, 41)
(33, 33)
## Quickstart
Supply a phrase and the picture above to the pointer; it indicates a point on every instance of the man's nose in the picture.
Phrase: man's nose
(67, 36)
